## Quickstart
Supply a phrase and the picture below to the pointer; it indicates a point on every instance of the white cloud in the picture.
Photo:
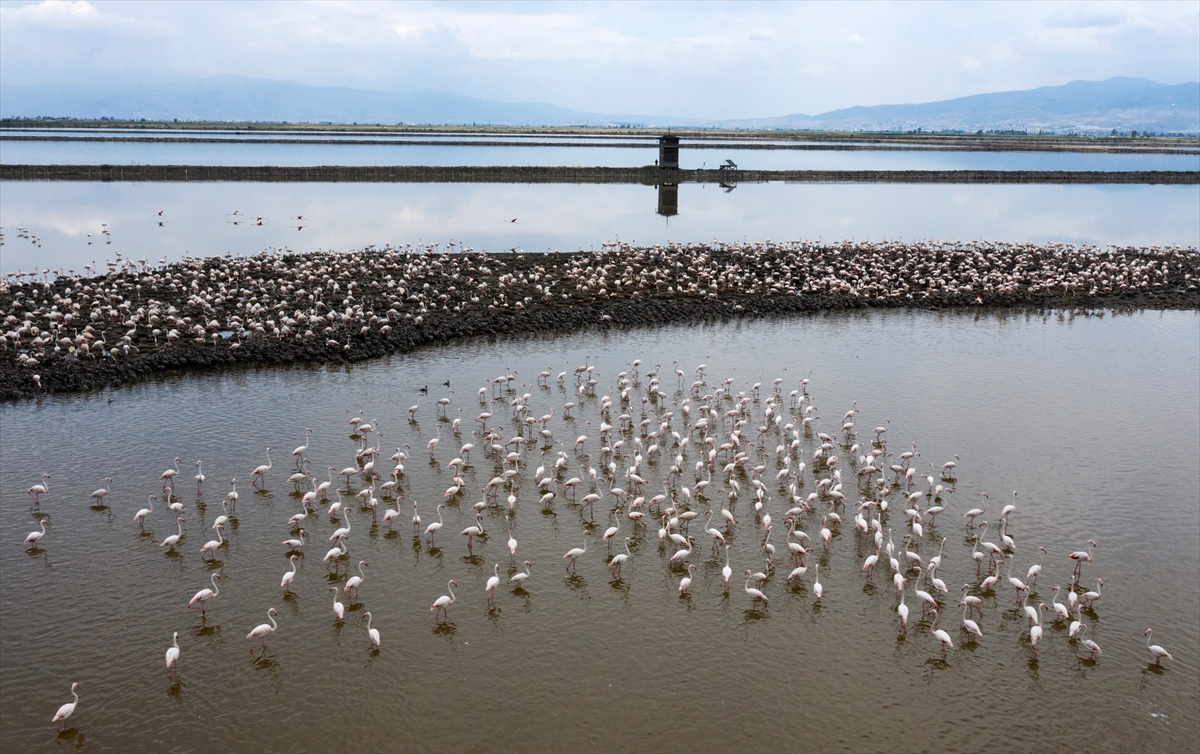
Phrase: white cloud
(58, 14)
(854, 38)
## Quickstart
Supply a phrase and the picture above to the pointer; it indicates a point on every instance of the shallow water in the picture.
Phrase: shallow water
(250, 153)
(197, 218)
(1095, 421)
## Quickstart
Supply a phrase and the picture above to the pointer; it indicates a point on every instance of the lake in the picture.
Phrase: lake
(1093, 420)
(198, 218)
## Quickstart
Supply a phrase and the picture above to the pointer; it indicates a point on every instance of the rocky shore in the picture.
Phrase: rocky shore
(64, 333)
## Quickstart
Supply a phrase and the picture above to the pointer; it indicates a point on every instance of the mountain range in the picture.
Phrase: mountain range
(1119, 103)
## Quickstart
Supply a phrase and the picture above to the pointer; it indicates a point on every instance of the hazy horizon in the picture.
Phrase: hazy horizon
(711, 61)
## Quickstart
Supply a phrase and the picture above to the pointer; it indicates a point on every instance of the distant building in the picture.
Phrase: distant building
(668, 152)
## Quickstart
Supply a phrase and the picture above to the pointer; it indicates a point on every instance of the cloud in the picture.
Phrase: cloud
(710, 59)
(57, 14)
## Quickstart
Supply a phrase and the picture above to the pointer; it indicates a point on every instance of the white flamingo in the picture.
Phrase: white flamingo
(260, 632)
(443, 602)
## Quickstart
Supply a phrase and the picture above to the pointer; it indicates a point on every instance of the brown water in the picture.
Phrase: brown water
(1095, 421)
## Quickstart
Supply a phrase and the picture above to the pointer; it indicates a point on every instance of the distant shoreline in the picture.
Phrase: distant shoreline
(977, 141)
(648, 175)
(527, 141)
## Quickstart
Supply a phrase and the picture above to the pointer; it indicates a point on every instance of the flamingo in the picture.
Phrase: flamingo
(1075, 624)
(1035, 631)
(726, 572)
(1092, 647)
(211, 546)
(38, 490)
(199, 478)
(434, 527)
(512, 544)
(519, 578)
(323, 487)
(173, 654)
(1082, 556)
(817, 588)
(902, 609)
(34, 537)
(232, 496)
(335, 553)
(344, 531)
(204, 595)
(754, 593)
(620, 559)
(716, 535)
(443, 602)
(297, 519)
(1017, 583)
(390, 514)
(473, 531)
(434, 442)
(260, 473)
(972, 601)
(263, 630)
(336, 506)
(574, 553)
(942, 637)
(1156, 651)
(1060, 610)
(1034, 570)
(299, 452)
(612, 531)
(140, 516)
(493, 582)
(99, 494)
(173, 540)
(373, 633)
(169, 475)
(355, 581)
(338, 608)
(974, 513)
(287, 577)
(67, 709)
(1088, 598)
(686, 581)
(971, 626)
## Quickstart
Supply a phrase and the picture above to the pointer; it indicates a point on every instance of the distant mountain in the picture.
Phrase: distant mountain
(1097, 106)
(234, 98)
(1081, 106)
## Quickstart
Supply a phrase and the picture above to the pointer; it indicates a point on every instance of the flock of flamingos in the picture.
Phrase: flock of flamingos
(714, 445)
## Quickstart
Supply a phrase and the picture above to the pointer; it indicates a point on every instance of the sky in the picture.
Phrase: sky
(701, 60)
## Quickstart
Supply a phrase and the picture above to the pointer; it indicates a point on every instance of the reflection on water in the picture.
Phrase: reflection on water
(200, 220)
(1014, 397)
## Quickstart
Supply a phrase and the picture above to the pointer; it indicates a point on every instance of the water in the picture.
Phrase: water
(247, 152)
(197, 218)
(1094, 420)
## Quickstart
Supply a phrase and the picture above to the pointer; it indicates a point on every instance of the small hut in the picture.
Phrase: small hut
(668, 152)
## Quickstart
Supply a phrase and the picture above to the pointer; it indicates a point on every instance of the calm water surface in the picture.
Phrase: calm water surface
(250, 153)
(1095, 421)
(198, 219)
